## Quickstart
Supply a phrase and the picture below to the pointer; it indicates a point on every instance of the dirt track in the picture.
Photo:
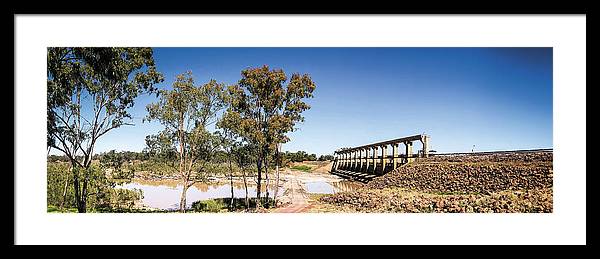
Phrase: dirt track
(295, 198)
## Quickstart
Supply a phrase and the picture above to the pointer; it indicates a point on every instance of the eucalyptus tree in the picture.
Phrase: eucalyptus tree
(114, 161)
(268, 109)
(243, 154)
(89, 92)
(161, 152)
(234, 143)
(186, 111)
(230, 139)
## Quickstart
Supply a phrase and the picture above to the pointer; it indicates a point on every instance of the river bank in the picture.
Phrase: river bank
(516, 182)
(293, 188)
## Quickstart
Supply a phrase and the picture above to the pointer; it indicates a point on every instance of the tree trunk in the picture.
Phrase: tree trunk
(231, 183)
(183, 200)
(84, 192)
(78, 199)
(246, 188)
(259, 167)
(267, 181)
(277, 175)
(64, 200)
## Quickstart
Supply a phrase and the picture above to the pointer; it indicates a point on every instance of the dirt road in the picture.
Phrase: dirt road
(295, 197)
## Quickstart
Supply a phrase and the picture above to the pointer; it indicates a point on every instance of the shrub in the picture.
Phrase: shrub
(303, 168)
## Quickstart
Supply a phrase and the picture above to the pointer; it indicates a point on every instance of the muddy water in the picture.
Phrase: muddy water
(166, 194)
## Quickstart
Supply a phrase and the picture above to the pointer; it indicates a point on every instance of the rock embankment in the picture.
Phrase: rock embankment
(398, 200)
(468, 177)
(513, 182)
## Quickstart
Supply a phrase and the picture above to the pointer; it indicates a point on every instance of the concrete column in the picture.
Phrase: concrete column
(356, 158)
(345, 160)
(349, 160)
(409, 150)
(374, 160)
(395, 154)
(360, 160)
(352, 160)
(425, 146)
(334, 162)
(383, 158)
(367, 159)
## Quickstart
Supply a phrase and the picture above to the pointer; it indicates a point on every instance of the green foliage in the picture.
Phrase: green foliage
(304, 168)
(111, 78)
(222, 204)
(55, 158)
(124, 198)
(102, 194)
(127, 156)
(215, 205)
(99, 186)
(155, 168)
(89, 92)
(326, 158)
(58, 175)
(52, 208)
(262, 109)
(163, 158)
(187, 106)
(186, 111)
(114, 162)
(299, 156)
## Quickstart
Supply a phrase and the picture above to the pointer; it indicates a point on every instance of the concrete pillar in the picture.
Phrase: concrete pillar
(375, 160)
(352, 160)
(334, 162)
(345, 160)
(367, 160)
(425, 146)
(383, 158)
(395, 155)
(349, 160)
(360, 160)
(355, 160)
(409, 150)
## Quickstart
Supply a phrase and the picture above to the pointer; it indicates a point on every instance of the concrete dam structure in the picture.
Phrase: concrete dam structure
(368, 161)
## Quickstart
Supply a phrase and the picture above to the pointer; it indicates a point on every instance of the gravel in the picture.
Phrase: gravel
(513, 182)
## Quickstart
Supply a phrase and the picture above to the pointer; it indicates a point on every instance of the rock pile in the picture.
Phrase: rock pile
(495, 157)
(512, 182)
(397, 200)
(468, 177)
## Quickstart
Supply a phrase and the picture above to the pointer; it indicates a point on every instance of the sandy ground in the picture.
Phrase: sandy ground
(295, 198)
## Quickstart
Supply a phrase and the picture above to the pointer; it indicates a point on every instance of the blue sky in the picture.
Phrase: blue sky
(493, 98)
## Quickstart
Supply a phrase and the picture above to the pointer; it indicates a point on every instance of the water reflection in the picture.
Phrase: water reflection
(331, 187)
(319, 187)
(165, 194)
